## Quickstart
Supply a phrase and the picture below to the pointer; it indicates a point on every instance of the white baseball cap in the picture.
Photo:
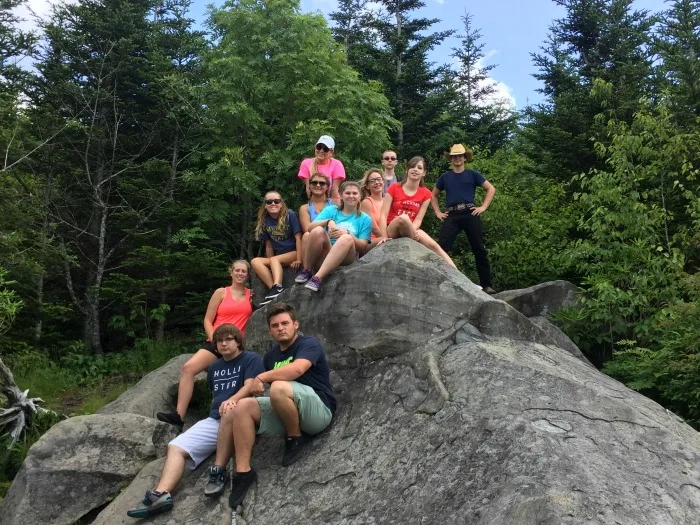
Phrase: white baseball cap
(327, 141)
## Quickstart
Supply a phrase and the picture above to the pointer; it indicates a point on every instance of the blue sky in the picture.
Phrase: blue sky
(511, 30)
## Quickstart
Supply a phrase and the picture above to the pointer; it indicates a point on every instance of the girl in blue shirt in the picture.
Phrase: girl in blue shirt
(335, 238)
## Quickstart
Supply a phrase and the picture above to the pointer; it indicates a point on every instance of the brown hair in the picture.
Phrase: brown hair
(226, 330)
(281, 308)
(281, 218)
(342, 189)
(412, 164)
(364, 183)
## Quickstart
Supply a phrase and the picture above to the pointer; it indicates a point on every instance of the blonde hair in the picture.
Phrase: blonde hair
(412, 164)
(364, 183)
(342, 189)
(281, 218)
(237, 261)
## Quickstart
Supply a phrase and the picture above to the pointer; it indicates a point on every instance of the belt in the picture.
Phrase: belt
(461, 206)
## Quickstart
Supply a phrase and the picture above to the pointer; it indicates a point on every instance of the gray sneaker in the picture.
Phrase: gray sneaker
(217, 481)
(313, 284)
(153, 503)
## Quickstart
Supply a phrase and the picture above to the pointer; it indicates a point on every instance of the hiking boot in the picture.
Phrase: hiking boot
(489, 290)
(240, 484)
(217, 481)
(173, 418)
(153, 503)
(293, 447)
(314, 284)
(303, 276)
(272, 294)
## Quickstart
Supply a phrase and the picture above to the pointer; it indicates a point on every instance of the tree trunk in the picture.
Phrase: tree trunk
(399, 102)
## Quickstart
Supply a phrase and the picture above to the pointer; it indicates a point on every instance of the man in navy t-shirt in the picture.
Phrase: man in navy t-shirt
(462, 213)
(301, 402)
(231, 378)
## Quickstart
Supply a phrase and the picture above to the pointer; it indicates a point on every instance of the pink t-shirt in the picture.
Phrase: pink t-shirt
(334, 169)
(402, 204)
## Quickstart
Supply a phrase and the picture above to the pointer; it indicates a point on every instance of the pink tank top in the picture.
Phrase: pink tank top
(235, 312)
(376, 214)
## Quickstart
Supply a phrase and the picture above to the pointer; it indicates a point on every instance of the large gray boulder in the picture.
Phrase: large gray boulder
(539, 302)
(81, 464)
(454, 408)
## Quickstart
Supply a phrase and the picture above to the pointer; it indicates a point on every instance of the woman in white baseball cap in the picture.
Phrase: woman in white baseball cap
(323, 162)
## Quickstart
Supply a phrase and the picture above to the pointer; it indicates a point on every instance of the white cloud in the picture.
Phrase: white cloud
(502, 94)
(441, 2)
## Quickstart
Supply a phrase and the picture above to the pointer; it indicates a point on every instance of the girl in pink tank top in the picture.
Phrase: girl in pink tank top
(232, 304)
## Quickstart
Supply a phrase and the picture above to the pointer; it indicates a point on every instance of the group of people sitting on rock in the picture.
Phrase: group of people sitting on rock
(344, 219)
(333, 229)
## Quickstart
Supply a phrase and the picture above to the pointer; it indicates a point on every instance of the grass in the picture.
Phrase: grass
(77, 384)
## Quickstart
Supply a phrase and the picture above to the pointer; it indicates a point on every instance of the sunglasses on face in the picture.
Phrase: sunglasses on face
(322, 147)
(318, 183)
(273, 201)
(389, 158)
(374, 181)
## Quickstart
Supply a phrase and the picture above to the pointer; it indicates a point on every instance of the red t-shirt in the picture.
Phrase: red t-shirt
(402, 204)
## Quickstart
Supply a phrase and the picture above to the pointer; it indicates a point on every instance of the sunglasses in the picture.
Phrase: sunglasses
(322, 147)
(389, 158)
(273, 201)
(375, 181)
(318, 183)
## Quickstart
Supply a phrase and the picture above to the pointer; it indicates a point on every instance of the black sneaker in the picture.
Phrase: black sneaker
(217, 481)
(272, 294)
(153, 503)
(172, 418)
(293, 447)
(240, 484)
(489, 290)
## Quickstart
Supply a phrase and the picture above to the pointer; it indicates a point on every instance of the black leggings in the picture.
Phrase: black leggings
(471, 225)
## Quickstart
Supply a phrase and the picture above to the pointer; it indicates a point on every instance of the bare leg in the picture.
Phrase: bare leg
(261, 267)
(173, 469)
(317, 247)
(246, 416)
(196, 364)
(304, 242)
(401, 226)
(224, 440)
(427, 241)
(278, 262)
(341, 253)
(282, 401)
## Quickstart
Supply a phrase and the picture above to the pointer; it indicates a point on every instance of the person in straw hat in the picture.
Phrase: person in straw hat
(462, 212)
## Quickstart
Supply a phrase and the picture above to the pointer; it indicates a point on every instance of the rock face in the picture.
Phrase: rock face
(154, 393)
(80, 464)
(538, 302)
(454, 408)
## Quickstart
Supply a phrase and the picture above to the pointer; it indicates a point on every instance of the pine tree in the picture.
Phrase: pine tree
(482, 119)
(597, 39)
(679, 48)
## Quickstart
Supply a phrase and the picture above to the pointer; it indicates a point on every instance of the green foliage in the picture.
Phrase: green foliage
(636, 215)
(668, 371)
(10, 304)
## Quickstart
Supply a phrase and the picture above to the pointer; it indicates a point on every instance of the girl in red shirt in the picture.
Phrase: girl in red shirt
(233, 305)
(405, 204)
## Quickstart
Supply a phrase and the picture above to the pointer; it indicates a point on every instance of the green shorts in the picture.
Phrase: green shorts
(314, 415)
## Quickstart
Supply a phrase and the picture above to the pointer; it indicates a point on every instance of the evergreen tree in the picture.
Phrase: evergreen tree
(483, 120)
(597, 39)
(679, 48)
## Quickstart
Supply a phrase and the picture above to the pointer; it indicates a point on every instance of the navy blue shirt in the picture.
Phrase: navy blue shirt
(317, 377)
(285, 242)
(225, 378)
(459, 187)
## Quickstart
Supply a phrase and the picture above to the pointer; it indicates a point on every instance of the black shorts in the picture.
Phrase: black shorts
(209, 347)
